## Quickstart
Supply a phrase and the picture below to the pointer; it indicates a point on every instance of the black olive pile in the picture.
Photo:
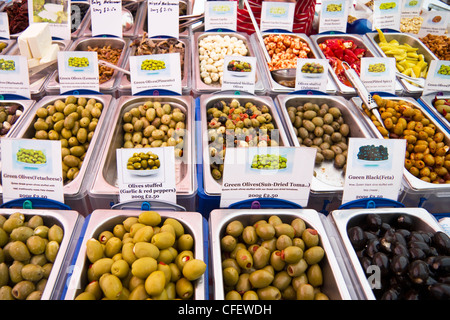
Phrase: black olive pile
(413, 264)
(373, 153)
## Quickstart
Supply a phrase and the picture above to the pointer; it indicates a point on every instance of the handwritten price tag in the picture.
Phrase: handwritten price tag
(163, 18)
(106, 17)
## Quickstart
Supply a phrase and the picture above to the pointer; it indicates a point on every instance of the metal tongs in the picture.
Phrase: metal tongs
(47, 67)
(419, 81)
(191, 19)
(362, 91)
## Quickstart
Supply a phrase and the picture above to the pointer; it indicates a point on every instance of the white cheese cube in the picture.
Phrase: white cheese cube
(23, 47)
(52, 54)
(39, 39)
(33, 62)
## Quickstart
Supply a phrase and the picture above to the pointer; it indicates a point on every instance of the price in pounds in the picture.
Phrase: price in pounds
(369, 196)
(109, 9)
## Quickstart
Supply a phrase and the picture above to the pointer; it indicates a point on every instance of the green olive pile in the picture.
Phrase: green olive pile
(268, 161)
(272, 260)
(412, 264)
(28, 250)
(373, 153)
(321, 127)
(312, 68)
(143, 161)
(426, 155)
(31, 156)
(142, 258)
(239, 66)
(73, 122)
(7, 65)
(9, 114)
(153, 124)
(150, 64)
(235, 124)
(80, 62)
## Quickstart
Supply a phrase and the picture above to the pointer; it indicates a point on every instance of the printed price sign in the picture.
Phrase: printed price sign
(4, 25)
(14, 77)
(221, 15)
(378, 74)
(374, 168)
(267, 172)
(411, 8)
(333, 16)
(163, 18)
(31, 168)
(106, 17)
(312, 74)
(277, 15)
(78, 70)
(434, 22)
(56, 14)
(239, 73)
(438, 77)
(386, 14)
(146, 174)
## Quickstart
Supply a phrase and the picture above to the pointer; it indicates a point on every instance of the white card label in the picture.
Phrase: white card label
(333, 16)
(277, 15)
(14, 77)
(267, 172)
(31, 168)
(434, 22)
(411, 8)
(378, 74)
(4, 25)
(163, 18)
(239, 73)
(156, 71)
(78, 70)
(374, 168)
(438, 77)
(221, 15)
(386, 14)
(311, 74)
(106, 17)
(56, 14)
(151, 184)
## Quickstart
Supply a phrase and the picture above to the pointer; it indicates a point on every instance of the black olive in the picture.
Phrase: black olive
(441, 264)
(218, 105)
(418, 271)
(361, 253)
(445, 279)
(433, 251)
(399, 264)
(381, 260)
(404, 232)
(426, 237)
(440, 291)
(399, 238)
(370, 235)
(373, 246)
(373, 222)
(223, 119)
(442, 242)
(366, 262)
(209, 117)
(416, 236)
(391, 294)
(389, 235)
(384, 227)
(404, 222)
(400, 249)
(429, 261)
(411, 295)
(421, 245)
(416, 254)
(357, 237)
(249, 112)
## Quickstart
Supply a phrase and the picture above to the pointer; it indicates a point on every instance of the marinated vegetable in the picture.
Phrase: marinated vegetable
(17, 16)
(413, 263)
(141, 258)
(272, 260)
(426, 155)
(108, 54)
(29, 248)
(284, 50)
(438, 44)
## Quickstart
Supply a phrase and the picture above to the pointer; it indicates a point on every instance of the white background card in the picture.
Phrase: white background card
(434, 22)
(163, 18)
(155, 71)
(14, 77)
(366, 177)
(378, 74)
(153, 184)
(4, 25)
(243, 179)
(220, 14)
(106, 17)
(78, 70)
(333, 16)
(277, 15)
(438, 77)
(39, 178)
(312, 74)
(56, 14)
(237, 78)
(411, 8)
(386, 14)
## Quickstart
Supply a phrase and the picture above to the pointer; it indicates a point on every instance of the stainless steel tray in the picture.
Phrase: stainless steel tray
(428, 101)
(81, 44)
(102, 220)
(413, 183)
(71, 223)
(125, 84)
(214, 187)
(201, 87)
(275, 87)
(327, 178)
(185, 8)
(9, 45)
(105, 183)
(345, 219)
(359, 41)
(137, 10)
(334, 285)
(26, 131)
(411, 40)
(39, 80)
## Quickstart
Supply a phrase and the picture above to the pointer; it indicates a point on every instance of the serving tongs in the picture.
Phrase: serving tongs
(47, 67)
(113, 66)
(191, 19)
(419, 81)
(362, 91)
